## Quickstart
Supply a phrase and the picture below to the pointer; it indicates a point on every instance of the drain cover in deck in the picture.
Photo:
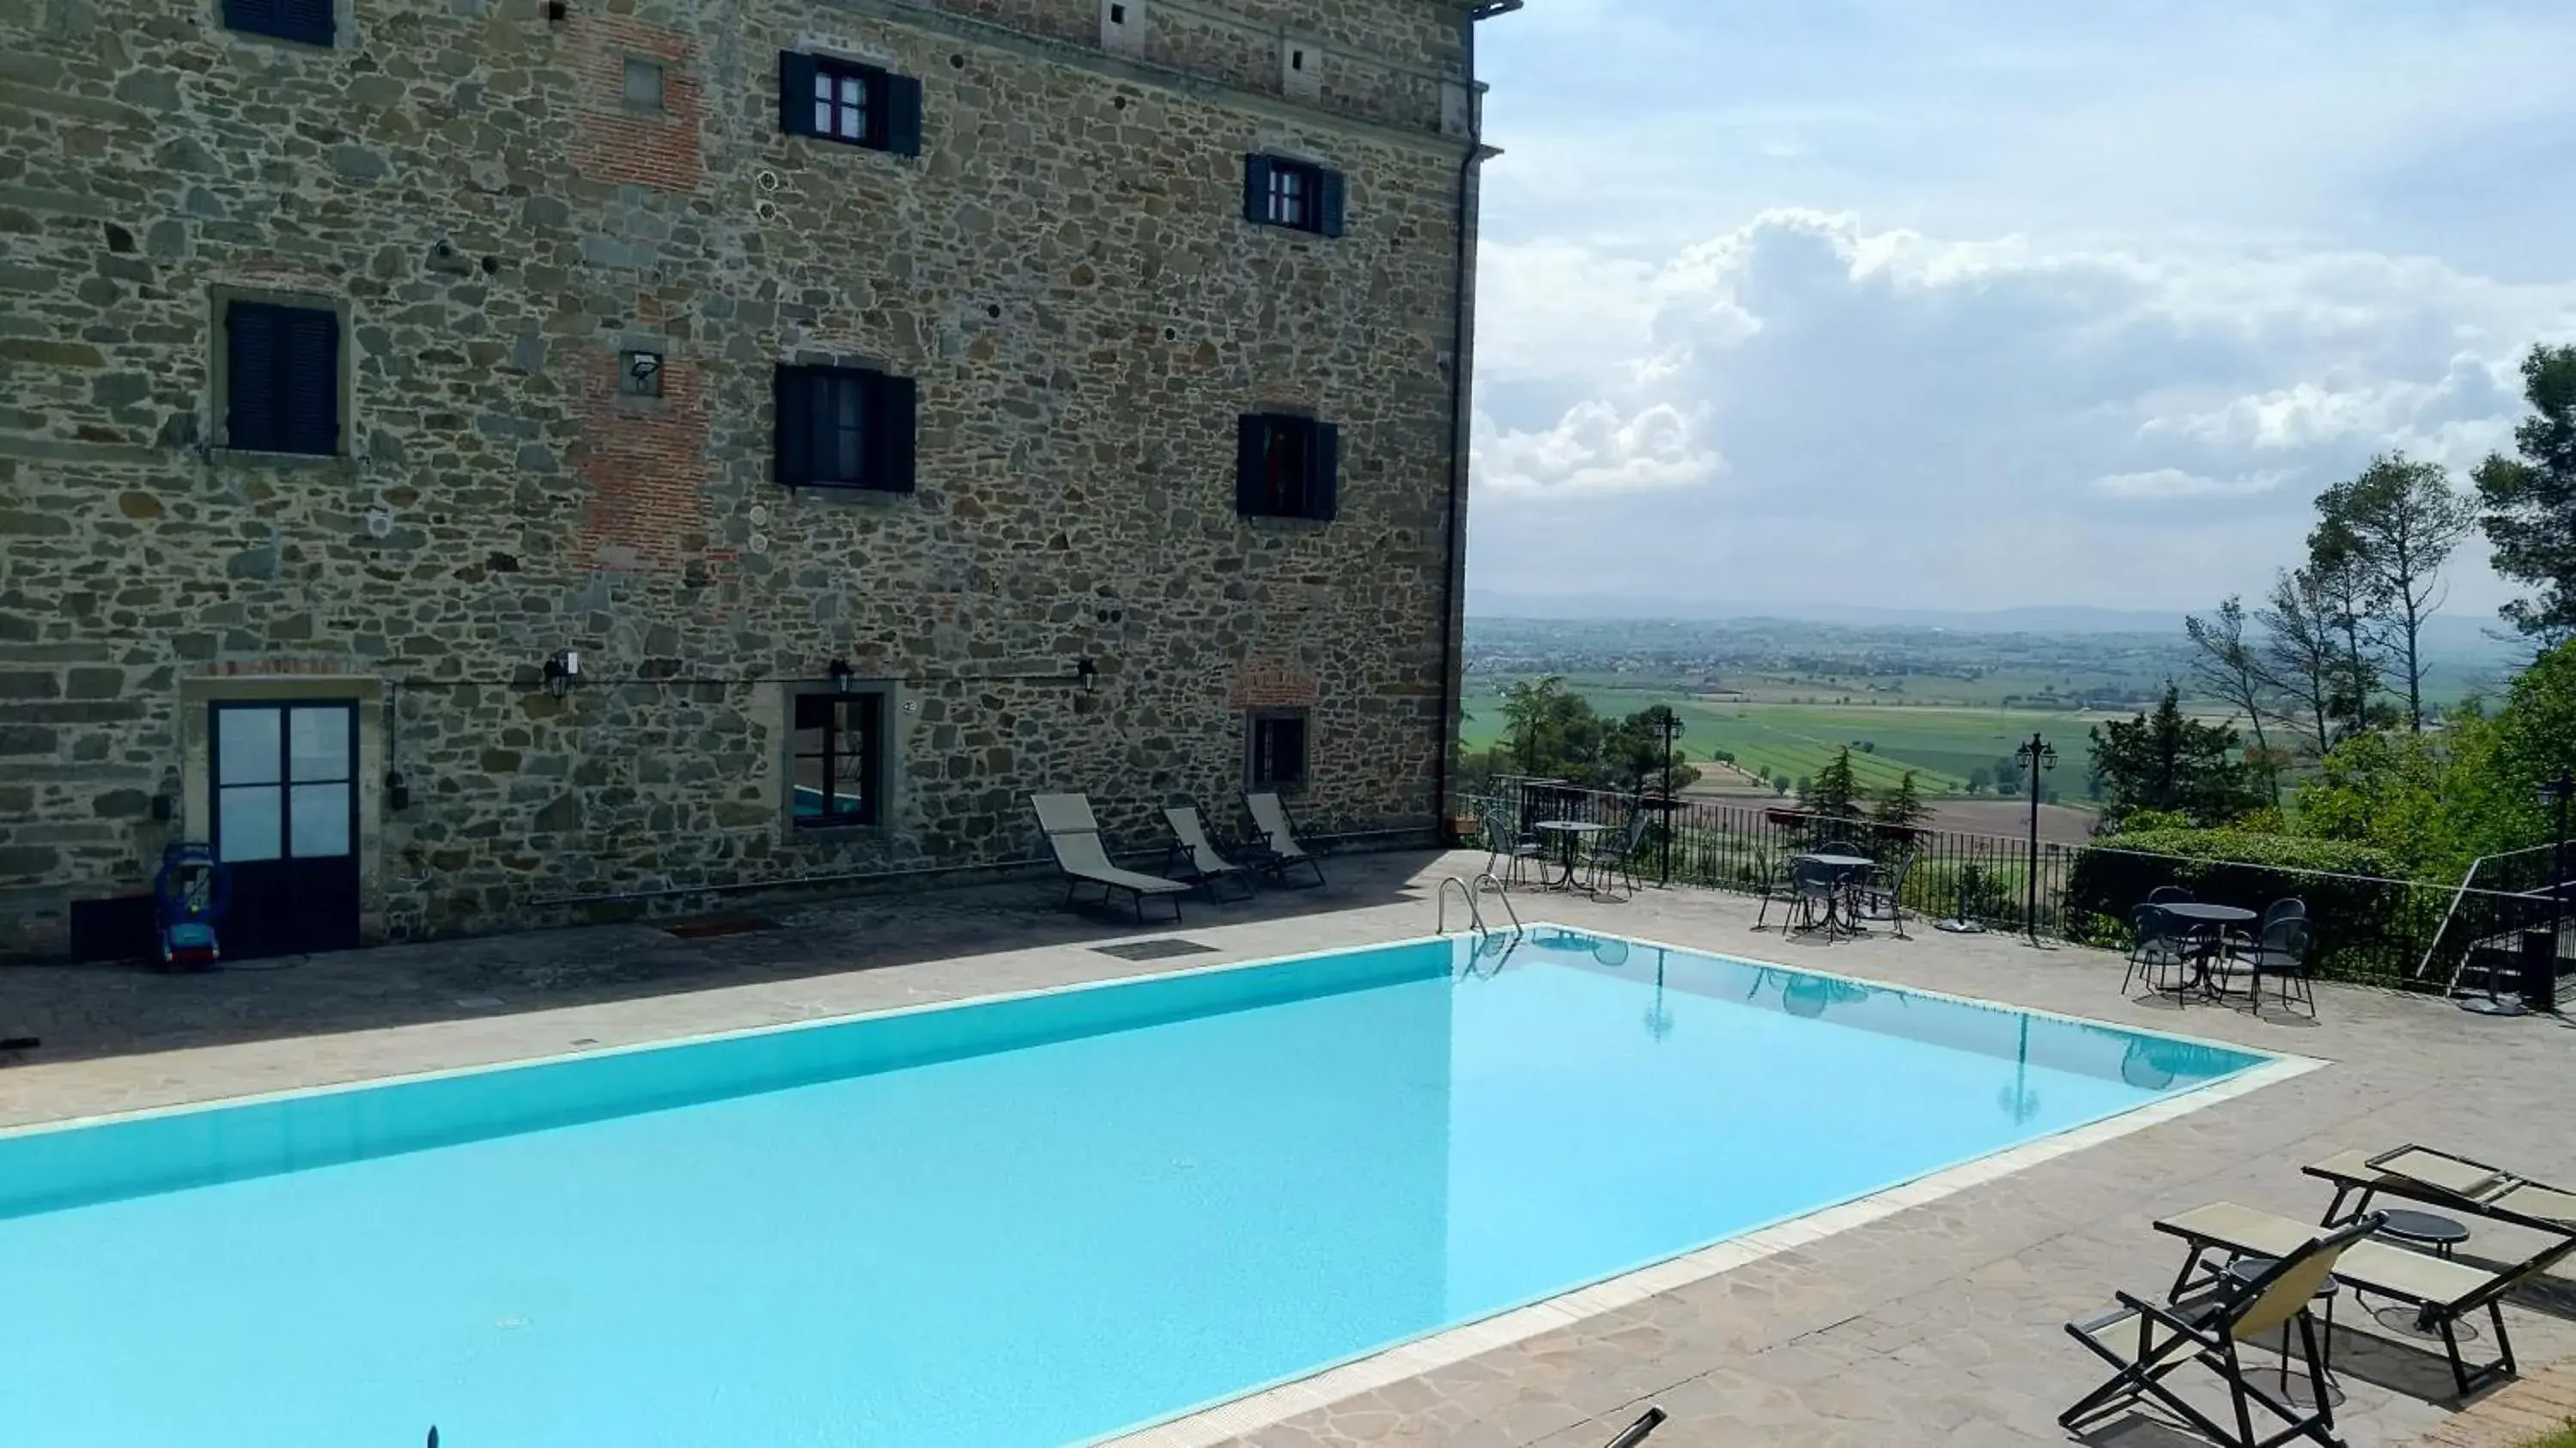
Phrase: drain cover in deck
(1163, 949)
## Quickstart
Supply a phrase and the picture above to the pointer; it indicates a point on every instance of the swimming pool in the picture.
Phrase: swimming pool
(1025, 1221)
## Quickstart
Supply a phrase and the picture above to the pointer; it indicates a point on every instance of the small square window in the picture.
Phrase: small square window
(1275, 750)
(845, 427)
(842, 100)
(1287, 467)
(1117, 14)
(643, 84)
(639, 373)
(1298, 195)
(836, 766)
(281, 378)
(309, 21)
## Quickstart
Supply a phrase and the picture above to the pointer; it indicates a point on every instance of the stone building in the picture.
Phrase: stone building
(465, 459)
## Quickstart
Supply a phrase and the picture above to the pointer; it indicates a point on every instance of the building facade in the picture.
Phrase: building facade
(469, 460)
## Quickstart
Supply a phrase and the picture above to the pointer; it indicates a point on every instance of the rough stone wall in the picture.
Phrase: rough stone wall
(1064, 270)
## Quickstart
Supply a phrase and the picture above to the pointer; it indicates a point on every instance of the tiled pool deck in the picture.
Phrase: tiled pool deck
(1931, 1318)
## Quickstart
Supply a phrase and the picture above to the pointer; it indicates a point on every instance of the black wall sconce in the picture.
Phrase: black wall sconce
(1088, 673)
(562, 671)
(839, 672)
(397, 792)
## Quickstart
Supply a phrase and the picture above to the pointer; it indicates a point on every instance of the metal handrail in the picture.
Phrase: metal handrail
(1475, 917)
(1652, 1419)
(1502, 894)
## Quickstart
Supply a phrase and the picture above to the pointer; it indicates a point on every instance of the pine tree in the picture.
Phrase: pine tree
(1901, 808)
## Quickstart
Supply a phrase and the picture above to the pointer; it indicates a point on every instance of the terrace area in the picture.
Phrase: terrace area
(1938, 1321)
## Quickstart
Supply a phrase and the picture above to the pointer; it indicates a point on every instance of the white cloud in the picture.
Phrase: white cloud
(1594, 449)
(1984, 421)
(2166, 483)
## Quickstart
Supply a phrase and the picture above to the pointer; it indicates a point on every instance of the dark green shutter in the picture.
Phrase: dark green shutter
(893, 412)
(1256, 188)
(794, 431)
(308, 418)
(305, 20)
(1330, 213)
(1324, 472)
(1251, 435)
(252, 353)
(902, 97)
(795, 93)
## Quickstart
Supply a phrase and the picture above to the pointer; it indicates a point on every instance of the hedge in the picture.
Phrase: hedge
(2369, 926)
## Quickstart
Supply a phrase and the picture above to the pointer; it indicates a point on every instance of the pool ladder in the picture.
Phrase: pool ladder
(1469, 894)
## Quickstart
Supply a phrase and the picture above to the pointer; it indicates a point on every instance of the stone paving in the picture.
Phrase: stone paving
(1940, 1324)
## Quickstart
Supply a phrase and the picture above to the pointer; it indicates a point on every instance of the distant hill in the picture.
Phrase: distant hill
(2460, 636)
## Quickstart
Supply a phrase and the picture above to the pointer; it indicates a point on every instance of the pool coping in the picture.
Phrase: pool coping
(1267, 1407)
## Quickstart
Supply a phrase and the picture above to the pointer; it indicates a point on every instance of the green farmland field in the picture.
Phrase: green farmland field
(1941, 743)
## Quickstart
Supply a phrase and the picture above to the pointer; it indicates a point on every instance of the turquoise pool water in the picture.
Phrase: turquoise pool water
(1024, 1222)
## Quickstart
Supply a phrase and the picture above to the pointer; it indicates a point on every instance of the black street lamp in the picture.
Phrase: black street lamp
(2036, 756)
(1668, 724)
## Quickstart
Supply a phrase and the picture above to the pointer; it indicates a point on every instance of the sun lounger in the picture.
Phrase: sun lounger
(2444, 1179)
(1270, 816)
(2147, 1342)
(1073, 834)
(2442, 1292)
(1207, 866)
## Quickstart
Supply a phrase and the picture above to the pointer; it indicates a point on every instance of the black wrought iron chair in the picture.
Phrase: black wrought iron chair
(1770, 885)
(2281, 952)
(1613, 853)
(2158, 943)
(1509, 847)
(1881, 894)
(2169, 895)
(1815, 895)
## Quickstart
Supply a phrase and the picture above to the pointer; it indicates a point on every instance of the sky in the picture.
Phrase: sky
(1972, 304)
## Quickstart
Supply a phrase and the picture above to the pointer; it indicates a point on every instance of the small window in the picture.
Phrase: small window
(1287, 467)
(643, 84)
(1117, 14)
(1276, 750)
(309, 21)
(837, 772)
(1298, 195)
(639, 373)
(845, 427)
(842, 100)
(281, 379)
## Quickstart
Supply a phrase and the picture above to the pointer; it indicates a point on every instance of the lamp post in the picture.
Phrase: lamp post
(2036, 756)
(1669, 724)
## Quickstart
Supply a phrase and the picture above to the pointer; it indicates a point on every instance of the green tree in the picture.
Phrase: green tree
(2169, 762)
(2230, 670)
(1834, 792)
(1552, 731)
(2343, 582)
(2300, 654)
(1902, 807)
(1634, 754)
(1980, 779)
(2530, 500)
(2403, 521)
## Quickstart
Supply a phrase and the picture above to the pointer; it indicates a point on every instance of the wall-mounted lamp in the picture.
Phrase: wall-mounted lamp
(1088, 672)
(563, 670)
(839, 670)
(397, 792)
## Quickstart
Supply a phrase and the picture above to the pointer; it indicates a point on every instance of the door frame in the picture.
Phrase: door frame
(197, 697)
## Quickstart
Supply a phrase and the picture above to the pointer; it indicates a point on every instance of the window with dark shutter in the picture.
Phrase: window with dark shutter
(844, 101)
(281, 379)
(1286, 467)
(1298, 195)
(1275, 750)
(845, 427)
(837, 759)
(308, 21)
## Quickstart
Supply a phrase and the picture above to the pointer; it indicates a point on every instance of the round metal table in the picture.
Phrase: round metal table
(1845, 869)
(2218, 917)
(1569, 831)
(2423, 1229)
